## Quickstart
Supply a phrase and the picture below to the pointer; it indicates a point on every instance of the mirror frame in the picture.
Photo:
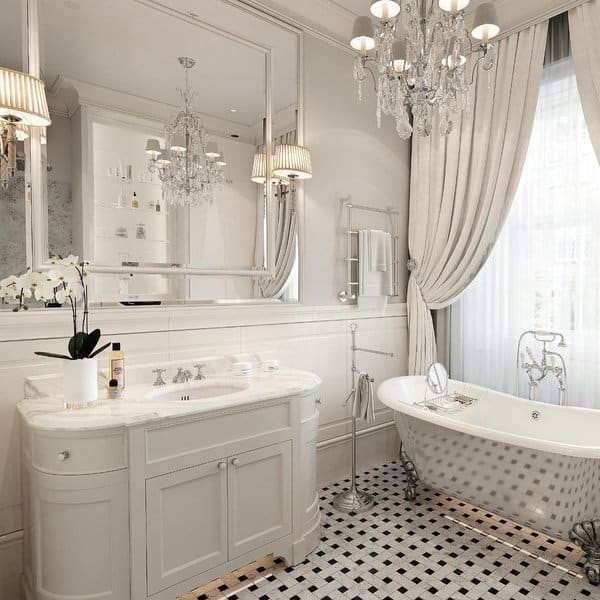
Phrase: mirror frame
(36, 219)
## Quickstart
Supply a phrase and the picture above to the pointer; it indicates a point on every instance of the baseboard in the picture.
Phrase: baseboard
(11, 565)
(374, 446)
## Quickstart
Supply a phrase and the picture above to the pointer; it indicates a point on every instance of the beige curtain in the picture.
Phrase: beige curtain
(286, 235)
(286, 231)
(584, 25)
(462, 185)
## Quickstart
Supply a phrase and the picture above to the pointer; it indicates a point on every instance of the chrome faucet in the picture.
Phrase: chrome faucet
(183, 376)
(159, 380)
(200, 371)
(537, 371)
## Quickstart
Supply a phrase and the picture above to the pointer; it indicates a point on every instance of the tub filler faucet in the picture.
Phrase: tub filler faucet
(551, 362)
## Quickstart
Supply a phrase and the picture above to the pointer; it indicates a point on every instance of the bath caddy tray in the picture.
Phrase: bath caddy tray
(447, 404)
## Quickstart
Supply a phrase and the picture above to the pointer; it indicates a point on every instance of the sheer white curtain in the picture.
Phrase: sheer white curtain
(544, 272)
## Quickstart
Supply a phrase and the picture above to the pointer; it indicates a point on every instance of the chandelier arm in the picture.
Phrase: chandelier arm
(476, 65)
(368, 67)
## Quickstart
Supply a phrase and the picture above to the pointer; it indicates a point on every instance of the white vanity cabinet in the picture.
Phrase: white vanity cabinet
(203, 516)
(160, 505)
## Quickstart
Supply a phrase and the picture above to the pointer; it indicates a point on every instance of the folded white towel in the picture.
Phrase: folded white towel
(363, 405)
(378, 258)
(373, 282)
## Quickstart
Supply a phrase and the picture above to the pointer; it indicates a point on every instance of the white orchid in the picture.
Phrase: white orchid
(73, 291)
(63, 274)
(30, 281)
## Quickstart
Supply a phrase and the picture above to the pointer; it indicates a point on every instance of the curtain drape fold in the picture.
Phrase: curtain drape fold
(286, 231)
(584, 25)
(462, 185)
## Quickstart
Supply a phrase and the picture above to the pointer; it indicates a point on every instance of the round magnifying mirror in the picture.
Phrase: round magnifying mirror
(437, 378)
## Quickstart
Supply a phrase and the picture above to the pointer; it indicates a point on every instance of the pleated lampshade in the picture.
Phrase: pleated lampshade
(259, 170)
(22, 98)
(292, 161)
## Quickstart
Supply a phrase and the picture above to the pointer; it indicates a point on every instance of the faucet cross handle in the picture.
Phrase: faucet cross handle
(183, 376)
(200, 368)
(159, 380)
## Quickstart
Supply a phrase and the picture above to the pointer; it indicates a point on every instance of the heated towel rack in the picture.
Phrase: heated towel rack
(352, 272)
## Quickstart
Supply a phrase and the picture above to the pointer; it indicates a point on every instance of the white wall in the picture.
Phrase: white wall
(350, 157)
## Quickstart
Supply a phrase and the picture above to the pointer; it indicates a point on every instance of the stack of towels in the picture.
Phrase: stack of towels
(363, 405)
(375, 268)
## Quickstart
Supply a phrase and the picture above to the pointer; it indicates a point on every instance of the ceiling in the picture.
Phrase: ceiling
(132, 46)
(334, 18)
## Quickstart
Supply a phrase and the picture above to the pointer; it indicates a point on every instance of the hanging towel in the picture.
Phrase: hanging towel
(363, 406)
(374, 282)
(378, 256)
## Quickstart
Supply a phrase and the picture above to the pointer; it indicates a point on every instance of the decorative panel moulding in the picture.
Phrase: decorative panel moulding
(54, 323)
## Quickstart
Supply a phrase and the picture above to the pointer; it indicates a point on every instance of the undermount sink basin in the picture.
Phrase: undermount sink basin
(195, 392)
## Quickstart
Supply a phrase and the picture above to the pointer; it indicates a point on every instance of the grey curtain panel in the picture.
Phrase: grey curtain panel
(584, 25)
(462, 185)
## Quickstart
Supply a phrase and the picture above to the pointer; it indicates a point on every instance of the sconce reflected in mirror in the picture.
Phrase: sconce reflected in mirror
(23, 104)
(290, 163)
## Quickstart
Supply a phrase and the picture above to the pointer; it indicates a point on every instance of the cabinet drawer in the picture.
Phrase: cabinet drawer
(187, 438)
(95, 452)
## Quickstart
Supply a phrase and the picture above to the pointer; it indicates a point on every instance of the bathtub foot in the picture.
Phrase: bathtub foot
(412, 477)
(586, 534)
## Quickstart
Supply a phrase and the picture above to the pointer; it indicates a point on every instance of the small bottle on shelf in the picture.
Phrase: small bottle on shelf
(135, 203)
(157, 206)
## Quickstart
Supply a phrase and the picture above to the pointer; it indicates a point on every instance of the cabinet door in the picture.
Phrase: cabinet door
(81, 536)
(186, 522)
(260, 497)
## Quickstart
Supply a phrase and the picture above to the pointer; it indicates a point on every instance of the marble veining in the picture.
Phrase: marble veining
(43, 407)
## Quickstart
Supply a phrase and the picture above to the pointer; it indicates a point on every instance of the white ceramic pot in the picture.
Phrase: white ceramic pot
(80, 382)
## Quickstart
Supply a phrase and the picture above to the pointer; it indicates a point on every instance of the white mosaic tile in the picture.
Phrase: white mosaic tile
(413, 551)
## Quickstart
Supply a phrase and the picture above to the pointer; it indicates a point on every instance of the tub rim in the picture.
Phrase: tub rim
(523, 441)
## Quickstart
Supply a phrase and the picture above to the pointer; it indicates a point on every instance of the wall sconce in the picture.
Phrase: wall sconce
(23, 104)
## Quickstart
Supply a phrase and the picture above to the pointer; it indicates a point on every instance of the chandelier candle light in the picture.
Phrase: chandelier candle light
(190, 168)
(424, 70)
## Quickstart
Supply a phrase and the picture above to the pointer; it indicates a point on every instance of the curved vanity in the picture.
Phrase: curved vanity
(153, 495)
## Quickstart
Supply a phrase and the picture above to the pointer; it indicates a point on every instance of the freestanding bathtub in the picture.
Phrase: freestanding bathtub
(535, 463)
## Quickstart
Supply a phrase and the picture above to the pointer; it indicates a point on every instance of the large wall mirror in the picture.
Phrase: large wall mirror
(155, 168)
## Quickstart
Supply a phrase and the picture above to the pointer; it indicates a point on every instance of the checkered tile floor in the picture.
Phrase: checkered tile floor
(435, 548)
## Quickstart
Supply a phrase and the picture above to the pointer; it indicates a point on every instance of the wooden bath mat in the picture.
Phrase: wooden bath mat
(238, 580)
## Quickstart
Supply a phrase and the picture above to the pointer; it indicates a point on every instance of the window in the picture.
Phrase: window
(544, 272)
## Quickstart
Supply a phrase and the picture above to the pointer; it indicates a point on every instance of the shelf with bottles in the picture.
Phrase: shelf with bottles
(118, 238)
(148, 209)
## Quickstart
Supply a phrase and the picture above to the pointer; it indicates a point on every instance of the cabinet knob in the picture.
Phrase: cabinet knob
(222, 466)
(318, 401)
(235, 462)
(63, 455)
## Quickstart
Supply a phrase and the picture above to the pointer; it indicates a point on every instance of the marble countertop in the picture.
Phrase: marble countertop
(142, 403)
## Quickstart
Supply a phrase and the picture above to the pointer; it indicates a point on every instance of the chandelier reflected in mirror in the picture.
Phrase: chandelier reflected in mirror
(418, 54)
(190, 168)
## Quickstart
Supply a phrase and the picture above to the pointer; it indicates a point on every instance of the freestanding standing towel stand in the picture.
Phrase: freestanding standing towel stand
(353, 500)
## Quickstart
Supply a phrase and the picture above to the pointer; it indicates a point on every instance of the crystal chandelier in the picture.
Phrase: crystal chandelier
(425, 70)
(190, 168)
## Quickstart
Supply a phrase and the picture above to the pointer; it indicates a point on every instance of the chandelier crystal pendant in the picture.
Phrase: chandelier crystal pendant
(418, 55)
(190, 168)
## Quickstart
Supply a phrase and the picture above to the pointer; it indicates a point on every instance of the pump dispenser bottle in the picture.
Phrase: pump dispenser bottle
(116, 365)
